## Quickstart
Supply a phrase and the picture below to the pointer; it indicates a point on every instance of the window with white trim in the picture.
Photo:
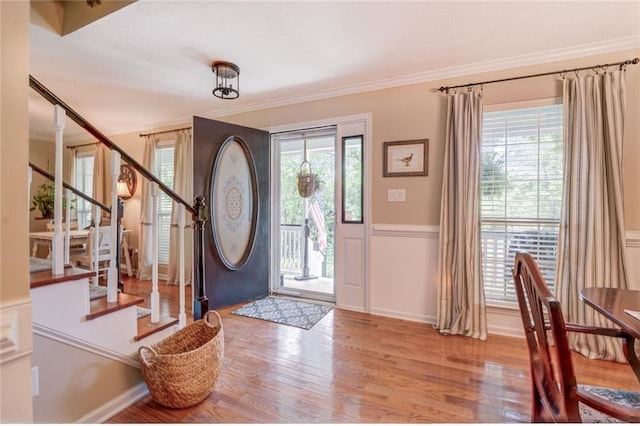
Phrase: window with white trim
(83, 176)
(521, 191)
(163, 169)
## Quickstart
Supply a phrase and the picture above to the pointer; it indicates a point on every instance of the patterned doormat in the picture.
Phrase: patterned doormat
(284, 311)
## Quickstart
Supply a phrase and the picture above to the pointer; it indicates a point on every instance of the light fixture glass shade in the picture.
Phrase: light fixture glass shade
(123, 190)
(227, 84)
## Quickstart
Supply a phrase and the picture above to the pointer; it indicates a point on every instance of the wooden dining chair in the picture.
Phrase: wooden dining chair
(556, 395)
(87, 258)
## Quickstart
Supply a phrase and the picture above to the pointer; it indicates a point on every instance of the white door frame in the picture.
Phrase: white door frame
(354, 300)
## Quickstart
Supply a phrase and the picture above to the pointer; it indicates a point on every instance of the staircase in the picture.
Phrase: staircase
(100, 338)
(61, 303)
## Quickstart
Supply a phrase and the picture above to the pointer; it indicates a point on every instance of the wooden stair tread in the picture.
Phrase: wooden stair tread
(147, 328)
(42, 278)
(100, 306)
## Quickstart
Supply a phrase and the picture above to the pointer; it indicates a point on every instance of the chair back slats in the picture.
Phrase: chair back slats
(556, 396)
(545, 332)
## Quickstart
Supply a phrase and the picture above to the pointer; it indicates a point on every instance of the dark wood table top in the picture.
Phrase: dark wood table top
(611, 302)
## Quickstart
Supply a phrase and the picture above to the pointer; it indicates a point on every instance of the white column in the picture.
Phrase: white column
(155, 295)
(112, 282)
(182, 317)
(57, 246)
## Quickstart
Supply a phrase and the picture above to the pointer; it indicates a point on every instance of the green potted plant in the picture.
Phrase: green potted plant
(44, 199)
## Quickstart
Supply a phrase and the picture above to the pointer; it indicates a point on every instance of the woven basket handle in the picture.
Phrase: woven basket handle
(142, 357)
(208, 319)
(304, 164)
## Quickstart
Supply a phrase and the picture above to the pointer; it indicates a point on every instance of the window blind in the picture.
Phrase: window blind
(163, 164)
(83, 177)
(521, 191)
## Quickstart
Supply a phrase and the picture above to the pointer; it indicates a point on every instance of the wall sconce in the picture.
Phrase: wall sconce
(226, 74)
(127, 182)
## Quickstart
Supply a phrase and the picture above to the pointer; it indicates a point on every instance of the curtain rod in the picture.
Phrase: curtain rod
(622, 64)
(166, 131)
(80, 146)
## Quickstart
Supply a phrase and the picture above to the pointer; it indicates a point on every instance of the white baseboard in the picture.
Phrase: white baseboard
(116, 405)
(425, 319)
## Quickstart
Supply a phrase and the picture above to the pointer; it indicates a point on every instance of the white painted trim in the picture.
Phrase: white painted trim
(425, 319)
(633, 238)
(609, 46)
(116, 405)
(15, 331)
(326, 122)
(404, 231)
(433, 231)
(52, 334)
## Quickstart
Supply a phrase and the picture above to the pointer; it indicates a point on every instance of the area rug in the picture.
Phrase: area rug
(284, 311)
(36, 264)
(96, 291)
(143, 312)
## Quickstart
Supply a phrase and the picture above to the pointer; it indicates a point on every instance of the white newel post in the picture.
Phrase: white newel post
(155, 295)
(57, 248)
(112, 283)
(67, 229)
(182, 317)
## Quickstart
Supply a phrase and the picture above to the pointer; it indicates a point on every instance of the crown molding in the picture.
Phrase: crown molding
(548, 56)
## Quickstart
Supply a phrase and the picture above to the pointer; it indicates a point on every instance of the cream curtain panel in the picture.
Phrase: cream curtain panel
(102, 175)
(183, 186)
(461, 304)
(147, 215)
(592, 244)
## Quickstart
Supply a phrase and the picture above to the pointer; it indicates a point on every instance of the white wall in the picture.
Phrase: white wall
(404, 274)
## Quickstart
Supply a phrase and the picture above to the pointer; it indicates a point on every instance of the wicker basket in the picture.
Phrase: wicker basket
(183, 369)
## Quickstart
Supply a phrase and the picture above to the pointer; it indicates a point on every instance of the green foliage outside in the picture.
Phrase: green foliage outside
(323, 165)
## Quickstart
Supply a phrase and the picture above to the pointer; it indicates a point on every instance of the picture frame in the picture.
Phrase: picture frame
(406, 158)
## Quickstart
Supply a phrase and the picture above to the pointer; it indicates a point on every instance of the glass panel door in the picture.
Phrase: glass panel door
(307, 213)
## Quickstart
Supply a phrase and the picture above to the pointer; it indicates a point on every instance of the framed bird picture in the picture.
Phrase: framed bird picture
(406, 158)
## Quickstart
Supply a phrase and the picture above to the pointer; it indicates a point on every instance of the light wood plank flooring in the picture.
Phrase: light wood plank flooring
(358, 368)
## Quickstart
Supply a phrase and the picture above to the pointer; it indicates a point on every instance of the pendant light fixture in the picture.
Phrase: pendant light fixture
(227, 85)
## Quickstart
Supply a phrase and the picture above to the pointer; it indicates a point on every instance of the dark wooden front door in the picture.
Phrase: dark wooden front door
(225, 285)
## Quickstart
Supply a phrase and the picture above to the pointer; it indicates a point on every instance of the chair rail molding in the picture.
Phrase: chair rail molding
(633, 238)
(15, 331)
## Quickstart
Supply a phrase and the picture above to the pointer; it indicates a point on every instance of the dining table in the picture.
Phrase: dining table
(622, 307)
(77, 237)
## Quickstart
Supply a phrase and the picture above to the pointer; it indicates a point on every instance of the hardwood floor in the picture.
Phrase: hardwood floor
(358, 368)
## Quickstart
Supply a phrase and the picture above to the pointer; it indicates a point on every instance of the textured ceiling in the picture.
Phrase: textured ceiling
(148, 64)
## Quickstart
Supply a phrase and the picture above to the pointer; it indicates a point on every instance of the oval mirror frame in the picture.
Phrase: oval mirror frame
(233, 202)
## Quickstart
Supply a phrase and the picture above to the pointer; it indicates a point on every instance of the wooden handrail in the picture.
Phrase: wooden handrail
(54, 100)
(71, 188)
(200, 301)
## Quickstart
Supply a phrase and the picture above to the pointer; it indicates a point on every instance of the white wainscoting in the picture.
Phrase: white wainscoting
(403, 273)
(16, 345)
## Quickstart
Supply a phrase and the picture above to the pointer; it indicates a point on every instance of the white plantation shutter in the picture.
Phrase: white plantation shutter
(521, 191)
(164, 171)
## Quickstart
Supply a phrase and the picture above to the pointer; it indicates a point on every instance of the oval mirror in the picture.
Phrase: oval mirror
(234, 202)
